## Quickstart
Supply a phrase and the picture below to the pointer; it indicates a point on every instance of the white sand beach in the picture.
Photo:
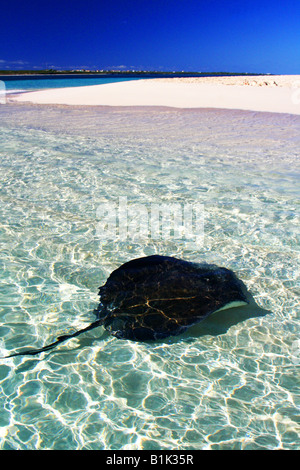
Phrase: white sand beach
(270, 93)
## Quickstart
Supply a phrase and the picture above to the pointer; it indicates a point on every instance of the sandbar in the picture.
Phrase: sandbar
(269, 93)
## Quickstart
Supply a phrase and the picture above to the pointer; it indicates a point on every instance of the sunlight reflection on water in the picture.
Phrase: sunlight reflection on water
(231, 389)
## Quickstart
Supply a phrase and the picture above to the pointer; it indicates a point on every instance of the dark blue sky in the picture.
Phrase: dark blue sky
(192, 35)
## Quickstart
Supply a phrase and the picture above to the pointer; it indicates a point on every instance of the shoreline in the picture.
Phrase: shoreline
(269, 93)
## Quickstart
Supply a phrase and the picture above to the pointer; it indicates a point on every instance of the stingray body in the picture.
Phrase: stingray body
(158, 296)
(155, 297)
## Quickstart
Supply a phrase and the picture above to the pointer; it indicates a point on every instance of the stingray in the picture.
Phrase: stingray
(154, 297)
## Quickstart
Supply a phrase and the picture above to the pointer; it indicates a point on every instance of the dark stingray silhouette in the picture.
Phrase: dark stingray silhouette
(155, 297)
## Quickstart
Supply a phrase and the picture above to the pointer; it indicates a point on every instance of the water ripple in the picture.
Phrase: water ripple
(235, 388)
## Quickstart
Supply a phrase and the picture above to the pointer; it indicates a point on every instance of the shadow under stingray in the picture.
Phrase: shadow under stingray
(218, 323)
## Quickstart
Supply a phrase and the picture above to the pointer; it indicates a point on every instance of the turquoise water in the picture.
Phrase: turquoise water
(29, 84)
(230, 383)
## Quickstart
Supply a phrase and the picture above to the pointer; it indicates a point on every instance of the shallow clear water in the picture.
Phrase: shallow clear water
(230, 383)
(18, 84)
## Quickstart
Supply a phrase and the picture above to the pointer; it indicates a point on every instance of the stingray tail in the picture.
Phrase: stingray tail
(60, 339)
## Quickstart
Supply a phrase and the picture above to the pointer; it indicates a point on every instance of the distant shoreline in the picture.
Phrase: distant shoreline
(114, 73)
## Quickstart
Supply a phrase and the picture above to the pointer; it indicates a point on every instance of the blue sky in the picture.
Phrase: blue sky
(192, 35)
